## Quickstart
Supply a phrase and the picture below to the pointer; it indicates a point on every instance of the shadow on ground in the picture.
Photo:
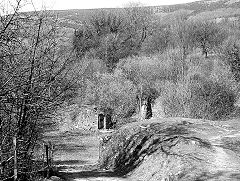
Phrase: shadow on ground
(87, 174)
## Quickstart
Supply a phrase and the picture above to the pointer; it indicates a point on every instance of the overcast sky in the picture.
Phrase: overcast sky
(89, 4)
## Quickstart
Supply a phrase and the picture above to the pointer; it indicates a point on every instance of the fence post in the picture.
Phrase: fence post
(15, 157)
(1, 151)
(47, 158)
(43, 150)
(1, 169)
(1, 160)
(100, 149)
(51, 155)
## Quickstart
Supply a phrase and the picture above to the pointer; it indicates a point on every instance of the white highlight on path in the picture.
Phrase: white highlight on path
(223, 161)
(99, 179)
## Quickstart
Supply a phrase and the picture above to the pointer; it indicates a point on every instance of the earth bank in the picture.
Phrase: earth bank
(178, 149)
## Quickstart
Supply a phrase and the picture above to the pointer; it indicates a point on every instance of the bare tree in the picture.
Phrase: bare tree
(180, 32)
(207, 36)
(113, 35)
(139, 20)
(140, 71)
(34, 81)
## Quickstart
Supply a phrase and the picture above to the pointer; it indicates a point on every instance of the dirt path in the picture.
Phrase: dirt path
(98, 179)
(90, 176)
(76, 156)
(73, 150)
(222, 159)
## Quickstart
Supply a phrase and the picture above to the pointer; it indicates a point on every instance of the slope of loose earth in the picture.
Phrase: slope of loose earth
(174, 149)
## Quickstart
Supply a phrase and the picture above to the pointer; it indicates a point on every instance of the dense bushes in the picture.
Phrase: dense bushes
(112, 93)
(201, 96)
(211, 100)
(231, 52)
(176, 60)
(145, 72)
(166, 66)
(195, 87)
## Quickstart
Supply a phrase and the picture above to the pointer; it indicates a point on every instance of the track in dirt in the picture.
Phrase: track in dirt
(76, 156)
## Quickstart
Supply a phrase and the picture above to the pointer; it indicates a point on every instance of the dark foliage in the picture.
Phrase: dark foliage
(232, 57)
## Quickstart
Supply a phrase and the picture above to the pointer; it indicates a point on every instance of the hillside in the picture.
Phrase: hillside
(206, 9)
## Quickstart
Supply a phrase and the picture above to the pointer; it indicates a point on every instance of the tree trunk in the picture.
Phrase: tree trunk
(140, 103)
(204, 51)
(149, 108)
(15, 157)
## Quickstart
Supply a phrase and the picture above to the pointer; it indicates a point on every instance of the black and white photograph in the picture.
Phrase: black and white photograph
(119, 90)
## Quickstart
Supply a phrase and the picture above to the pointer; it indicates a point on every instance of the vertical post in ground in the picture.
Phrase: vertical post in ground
(15, 157)
(47, 158)
(140, 103)
(43, 150)
(100, 149)
(51, 154)
(1, 167)
(51, 148)
(1, 151)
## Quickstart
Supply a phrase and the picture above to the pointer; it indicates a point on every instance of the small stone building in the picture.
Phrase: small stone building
(105, 119)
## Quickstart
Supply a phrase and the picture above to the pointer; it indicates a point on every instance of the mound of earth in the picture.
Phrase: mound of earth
(173, 149)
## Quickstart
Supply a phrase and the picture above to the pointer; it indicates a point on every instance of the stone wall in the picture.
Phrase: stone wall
(74, 118)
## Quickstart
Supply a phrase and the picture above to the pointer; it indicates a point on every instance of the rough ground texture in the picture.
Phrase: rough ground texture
(75, 119)
(174, 149)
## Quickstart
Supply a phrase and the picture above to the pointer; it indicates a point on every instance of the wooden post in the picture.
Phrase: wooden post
(1, 169)
(100, 150)
(53, 153)
(1, 151)
(15, 157)
(1, 166)
(47, 158)
(1, 154)
(50, 153)
(43, 149)
(140, 103)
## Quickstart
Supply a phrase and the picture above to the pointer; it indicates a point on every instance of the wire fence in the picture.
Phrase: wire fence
(42, 156)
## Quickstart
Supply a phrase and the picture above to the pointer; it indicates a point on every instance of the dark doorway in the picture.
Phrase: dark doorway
(149, 108)
(109, 123)
(100, 121)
